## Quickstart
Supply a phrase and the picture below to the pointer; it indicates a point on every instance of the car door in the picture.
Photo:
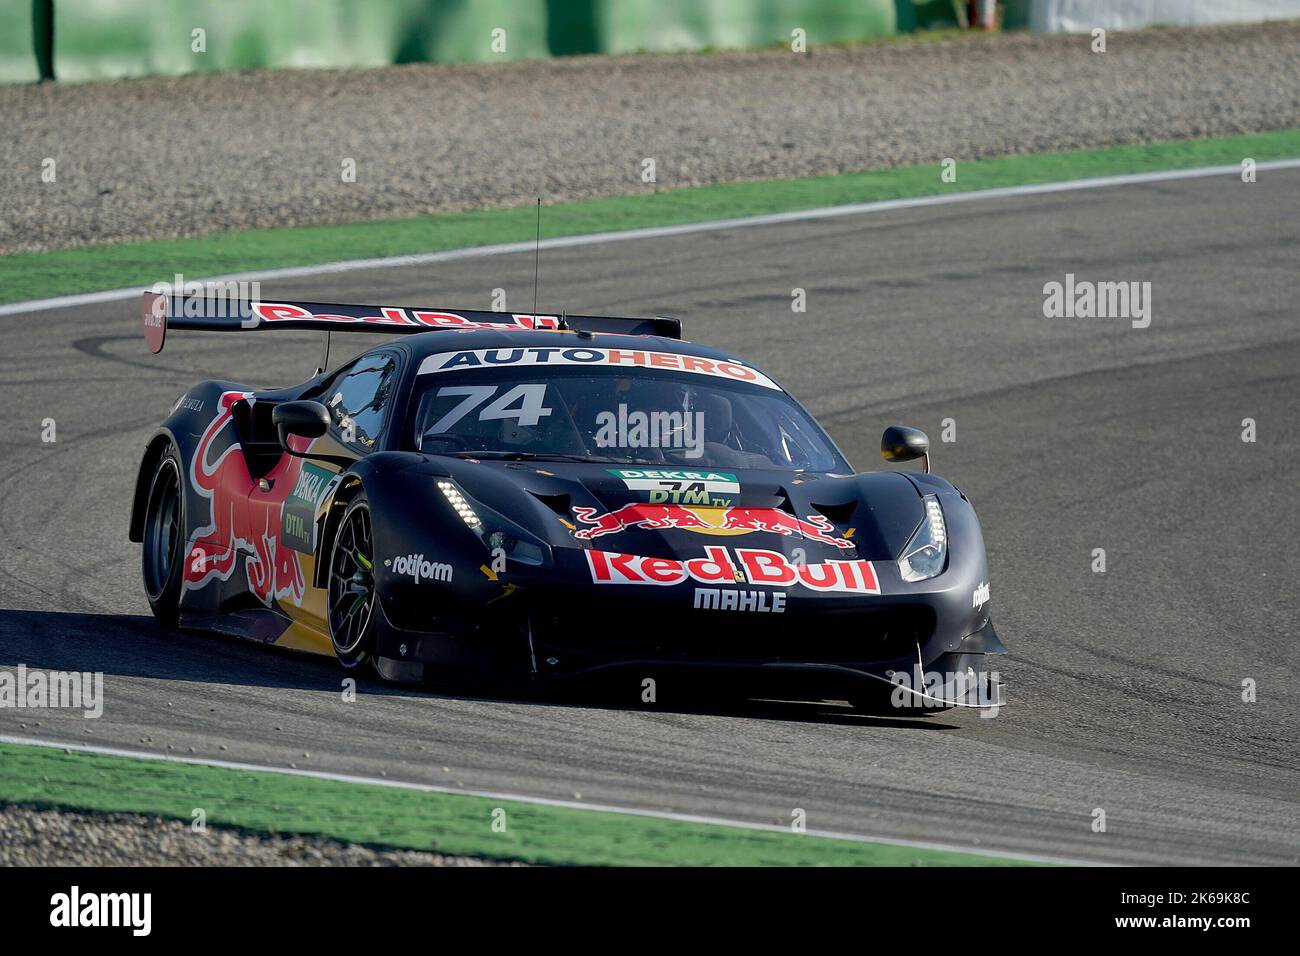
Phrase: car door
(285, 503)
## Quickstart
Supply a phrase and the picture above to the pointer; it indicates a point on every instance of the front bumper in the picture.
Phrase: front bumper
(888, 655)
(909, 681)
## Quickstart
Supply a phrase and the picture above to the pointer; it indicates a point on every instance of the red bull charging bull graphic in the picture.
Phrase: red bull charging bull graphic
(246, 522)
(637, 515)
(734, 520)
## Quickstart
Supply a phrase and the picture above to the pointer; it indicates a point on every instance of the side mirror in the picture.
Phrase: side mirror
(304, 419)
(901, 443)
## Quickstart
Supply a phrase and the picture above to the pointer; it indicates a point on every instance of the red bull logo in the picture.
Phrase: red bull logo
(733, 521)
(717, 567)
(775, 521)
(246, 521)
(638, 515)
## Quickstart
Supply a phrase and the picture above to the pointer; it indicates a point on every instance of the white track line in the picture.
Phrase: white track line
(659, 232)
(539, 801)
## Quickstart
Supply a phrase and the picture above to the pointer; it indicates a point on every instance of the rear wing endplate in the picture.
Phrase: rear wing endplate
(215, 314)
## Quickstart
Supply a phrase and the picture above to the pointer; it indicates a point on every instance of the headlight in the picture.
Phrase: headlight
(457, 501)
(496, 531)
(926, 552)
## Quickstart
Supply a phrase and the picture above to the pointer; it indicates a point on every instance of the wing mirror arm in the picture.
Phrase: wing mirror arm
(304, 419)
(902, 443)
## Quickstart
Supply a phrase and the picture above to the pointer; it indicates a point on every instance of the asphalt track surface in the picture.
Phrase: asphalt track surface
(1072, 434)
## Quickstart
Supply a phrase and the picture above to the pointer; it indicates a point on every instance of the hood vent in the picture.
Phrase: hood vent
(838, 514)
(557, 503)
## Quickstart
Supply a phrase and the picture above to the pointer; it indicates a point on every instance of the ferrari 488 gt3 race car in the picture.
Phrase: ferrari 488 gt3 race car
(526, 497)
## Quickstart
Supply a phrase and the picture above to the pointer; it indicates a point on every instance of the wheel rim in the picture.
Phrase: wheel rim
(352, 582)
(162, 533)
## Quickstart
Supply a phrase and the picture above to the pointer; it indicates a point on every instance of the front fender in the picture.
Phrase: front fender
(431, 569)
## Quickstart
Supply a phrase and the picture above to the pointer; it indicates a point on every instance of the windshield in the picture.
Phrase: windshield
(608, 416)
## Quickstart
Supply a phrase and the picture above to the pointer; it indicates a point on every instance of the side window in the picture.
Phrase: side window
(359, 401)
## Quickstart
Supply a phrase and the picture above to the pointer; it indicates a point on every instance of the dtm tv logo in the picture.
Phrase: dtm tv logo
(676, 486)
(417, 569)
(230, 299)
(678, 431)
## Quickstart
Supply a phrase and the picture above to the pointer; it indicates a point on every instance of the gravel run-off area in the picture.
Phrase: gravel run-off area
(163, 157)
(40, 837)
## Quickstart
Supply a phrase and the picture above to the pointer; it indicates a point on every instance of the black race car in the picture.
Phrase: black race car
(538, 497)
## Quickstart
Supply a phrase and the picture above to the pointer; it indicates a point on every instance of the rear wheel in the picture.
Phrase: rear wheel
(164, 534)
(352, 586)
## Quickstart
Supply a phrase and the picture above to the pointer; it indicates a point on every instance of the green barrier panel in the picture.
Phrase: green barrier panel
(1015, 14)
(141, 37)
(939, 13)
(670, 25)
(17, 57)
(97, 39)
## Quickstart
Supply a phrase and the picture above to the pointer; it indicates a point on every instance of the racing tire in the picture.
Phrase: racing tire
(350, 599)
(162, 556)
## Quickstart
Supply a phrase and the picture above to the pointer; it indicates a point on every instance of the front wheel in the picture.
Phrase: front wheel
(352, 586)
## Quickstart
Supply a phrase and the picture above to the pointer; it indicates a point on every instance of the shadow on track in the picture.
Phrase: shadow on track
(135, 646)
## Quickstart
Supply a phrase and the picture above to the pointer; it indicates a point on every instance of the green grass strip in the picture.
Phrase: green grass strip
(270, 802)
(90, 268)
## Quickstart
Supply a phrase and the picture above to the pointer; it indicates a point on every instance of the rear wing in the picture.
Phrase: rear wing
(218, 314)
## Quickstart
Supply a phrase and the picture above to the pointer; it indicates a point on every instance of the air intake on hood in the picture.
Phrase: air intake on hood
(557, 503)
(837, 513)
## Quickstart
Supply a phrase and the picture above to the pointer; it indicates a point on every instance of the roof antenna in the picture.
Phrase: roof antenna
(537, 255)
